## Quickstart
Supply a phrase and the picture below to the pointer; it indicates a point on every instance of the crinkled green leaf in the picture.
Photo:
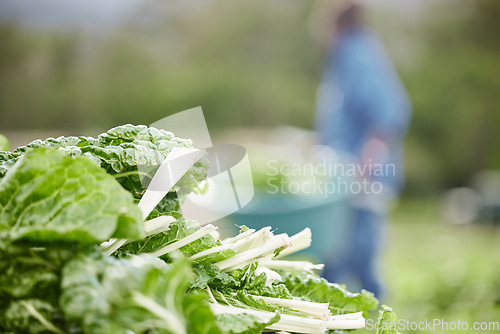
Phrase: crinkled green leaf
(247, 300)
(32, 271)
(140, 294)
(48, 196)
(274, 291)
(243, 323)
(319, 290)
(248, 279)
(241, 299)
(387, 321)
(32, 316)
(131, 153)
(211, 275)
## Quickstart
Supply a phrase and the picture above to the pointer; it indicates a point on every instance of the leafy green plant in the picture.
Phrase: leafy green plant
(60, 273)
(4, 143)
(130, 153)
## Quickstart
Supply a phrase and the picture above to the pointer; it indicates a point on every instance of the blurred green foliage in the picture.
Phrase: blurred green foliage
(4, 143)
(257, 64)
(454, 89)
(246, 64)
(434, 270)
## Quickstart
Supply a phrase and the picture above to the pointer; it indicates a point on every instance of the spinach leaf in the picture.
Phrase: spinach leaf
(48, 196)
(32, 316)
(141, 294)
(387, 321)
(131, 153)
(32, 272)
(314, 288)
(243, 323)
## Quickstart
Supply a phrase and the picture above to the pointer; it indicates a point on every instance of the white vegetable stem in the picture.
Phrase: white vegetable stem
(296, 324)
(207, 229)
(153, 226)
(291, 265)
(157, 225)
(253, 240)
(350, 316)
(112, 245)
(317, 310)
(210, 251)
(346, 324)
(278, 241)
(238, 237)
(245, 241)
(299, 241)
(175, 165)
(286, 323)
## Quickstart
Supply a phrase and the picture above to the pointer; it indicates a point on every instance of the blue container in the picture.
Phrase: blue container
(326, 217)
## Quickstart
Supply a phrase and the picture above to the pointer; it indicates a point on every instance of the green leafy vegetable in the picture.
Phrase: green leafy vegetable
(210, 274)
(243, 323)
(320, 290)
(31, 271)
(30, 286)
(59, 206)
(140, 294)
(4, 143)
(131, 153)
(48, 196)
(387, 321)
(32, 316)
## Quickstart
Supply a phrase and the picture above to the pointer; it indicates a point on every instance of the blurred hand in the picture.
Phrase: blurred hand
(375, 151)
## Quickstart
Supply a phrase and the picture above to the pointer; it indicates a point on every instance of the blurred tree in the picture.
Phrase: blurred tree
(454, 91)
(246, 64)
(256, 64)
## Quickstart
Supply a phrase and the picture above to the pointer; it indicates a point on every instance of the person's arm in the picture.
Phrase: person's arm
(383, 100)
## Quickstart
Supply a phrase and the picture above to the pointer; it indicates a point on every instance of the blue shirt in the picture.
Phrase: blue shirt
(361, 96)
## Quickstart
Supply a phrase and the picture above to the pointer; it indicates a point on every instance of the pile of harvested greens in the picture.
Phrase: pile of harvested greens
(77, 255)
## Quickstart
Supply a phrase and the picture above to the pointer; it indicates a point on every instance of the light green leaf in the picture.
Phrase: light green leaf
(131, 153)
(243, 323)
(48, 196)
(387, 321)
(4, 143)
(314, 288)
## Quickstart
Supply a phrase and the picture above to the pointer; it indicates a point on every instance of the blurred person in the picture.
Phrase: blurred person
(363, 111)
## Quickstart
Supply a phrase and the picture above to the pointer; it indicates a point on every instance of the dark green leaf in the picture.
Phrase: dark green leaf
(140, 294)
(243, 323)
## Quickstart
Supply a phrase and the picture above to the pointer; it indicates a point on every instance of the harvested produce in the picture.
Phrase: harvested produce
(76, 255)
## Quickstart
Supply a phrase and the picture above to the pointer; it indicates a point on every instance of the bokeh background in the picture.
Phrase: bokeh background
(81, 67)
